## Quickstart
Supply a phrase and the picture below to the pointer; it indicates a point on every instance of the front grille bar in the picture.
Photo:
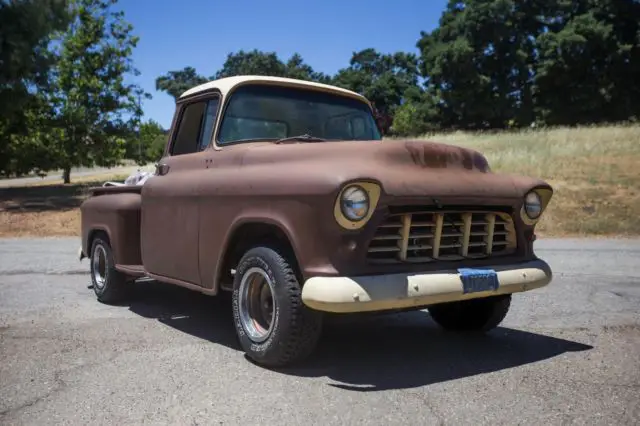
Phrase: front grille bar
(428, 236)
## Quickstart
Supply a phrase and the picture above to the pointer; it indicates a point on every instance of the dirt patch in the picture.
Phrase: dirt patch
(40, 224)
(46, 210)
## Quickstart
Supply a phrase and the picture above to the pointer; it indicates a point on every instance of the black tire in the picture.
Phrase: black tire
(481, 315)
(114, 287)
(294, 329)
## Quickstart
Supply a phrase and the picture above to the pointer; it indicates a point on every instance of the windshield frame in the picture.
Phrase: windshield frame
(366, 106)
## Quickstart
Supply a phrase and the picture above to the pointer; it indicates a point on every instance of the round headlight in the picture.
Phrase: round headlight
(355, 203)
(532, 205)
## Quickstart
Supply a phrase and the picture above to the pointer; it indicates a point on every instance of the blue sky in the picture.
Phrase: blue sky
(200, 33)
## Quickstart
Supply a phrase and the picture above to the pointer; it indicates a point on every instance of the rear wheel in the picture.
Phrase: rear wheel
(109, 284)
(481, 314)
(273, 326)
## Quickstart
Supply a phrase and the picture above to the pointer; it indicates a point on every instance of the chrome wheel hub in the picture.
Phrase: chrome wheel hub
(256, 304)
(99, 266)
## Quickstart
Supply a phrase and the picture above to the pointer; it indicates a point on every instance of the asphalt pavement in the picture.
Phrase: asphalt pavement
(568, 353)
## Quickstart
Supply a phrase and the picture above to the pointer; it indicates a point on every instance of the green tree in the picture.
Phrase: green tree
(295, 67)
(417, 115)
(253, 62)
(480, 61)
(157, 146)
(147, 143)
(96, 108)
(497, 63)
(589, 69)
(31, 150)
(26, 29)
(382, 78)
(256, 62)
(176, 83)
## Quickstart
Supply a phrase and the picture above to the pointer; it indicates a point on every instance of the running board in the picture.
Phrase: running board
(132, 270)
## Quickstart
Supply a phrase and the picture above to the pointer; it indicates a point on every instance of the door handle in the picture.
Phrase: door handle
(162, 169)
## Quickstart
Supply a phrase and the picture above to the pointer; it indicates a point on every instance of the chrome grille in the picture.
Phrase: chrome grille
(450, 235)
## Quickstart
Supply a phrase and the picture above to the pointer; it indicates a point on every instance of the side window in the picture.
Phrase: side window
(195, 127)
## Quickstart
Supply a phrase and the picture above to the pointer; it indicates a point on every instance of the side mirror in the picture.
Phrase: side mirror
(162, 169)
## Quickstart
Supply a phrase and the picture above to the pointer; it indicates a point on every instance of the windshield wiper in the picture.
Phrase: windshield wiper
(305, 137)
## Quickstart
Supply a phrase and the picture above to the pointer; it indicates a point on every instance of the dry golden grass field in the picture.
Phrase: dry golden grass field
(595, 172)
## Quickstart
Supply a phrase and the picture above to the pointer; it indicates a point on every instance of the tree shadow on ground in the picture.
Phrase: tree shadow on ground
(45, 197)
(364, 353)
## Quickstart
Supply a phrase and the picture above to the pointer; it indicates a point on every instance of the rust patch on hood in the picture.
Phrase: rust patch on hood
(437, 155)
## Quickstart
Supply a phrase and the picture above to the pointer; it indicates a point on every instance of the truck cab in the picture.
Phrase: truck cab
(283, 193)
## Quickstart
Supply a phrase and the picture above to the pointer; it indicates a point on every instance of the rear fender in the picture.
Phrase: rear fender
(118, 215)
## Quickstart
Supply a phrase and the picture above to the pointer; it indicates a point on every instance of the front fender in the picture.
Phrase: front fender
(302, 221)
(254, 217)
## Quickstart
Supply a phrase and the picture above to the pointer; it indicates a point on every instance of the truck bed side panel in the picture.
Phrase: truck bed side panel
(117, 214)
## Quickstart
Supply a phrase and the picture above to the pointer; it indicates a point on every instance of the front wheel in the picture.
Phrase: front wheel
(482, 314)
(273, 326)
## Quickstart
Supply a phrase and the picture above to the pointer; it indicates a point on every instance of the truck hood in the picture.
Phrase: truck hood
(405, 168)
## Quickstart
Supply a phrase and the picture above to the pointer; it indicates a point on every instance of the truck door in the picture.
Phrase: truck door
(169, 218)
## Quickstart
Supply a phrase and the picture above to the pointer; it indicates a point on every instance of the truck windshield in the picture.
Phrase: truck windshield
(266, 112)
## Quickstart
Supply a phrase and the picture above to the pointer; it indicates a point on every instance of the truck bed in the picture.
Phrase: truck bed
(115, 211)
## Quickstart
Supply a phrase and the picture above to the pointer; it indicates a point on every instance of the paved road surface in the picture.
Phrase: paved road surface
(568, 353)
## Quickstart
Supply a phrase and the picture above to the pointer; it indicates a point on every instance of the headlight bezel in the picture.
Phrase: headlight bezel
(545, 194)
(372, 191)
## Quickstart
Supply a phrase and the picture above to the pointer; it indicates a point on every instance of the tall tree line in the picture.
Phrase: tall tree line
(489, 64)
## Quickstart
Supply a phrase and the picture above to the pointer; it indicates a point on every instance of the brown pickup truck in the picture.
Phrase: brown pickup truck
(283, 193)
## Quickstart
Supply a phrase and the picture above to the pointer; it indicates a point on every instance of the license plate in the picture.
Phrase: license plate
(476, 280)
